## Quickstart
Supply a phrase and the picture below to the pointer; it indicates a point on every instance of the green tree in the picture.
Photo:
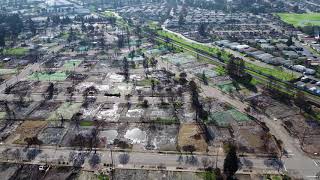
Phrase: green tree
(231, 67)
(300, 101)
(202, 29)
(50, 90)
(204, 78)
(71, 36)
(126, 69)
(290, 41)
(241, 68)
(2, 37)
(120, 42)
(32, 27)
(231, 162)
(181, 20)
(219, 54)
(153, 86)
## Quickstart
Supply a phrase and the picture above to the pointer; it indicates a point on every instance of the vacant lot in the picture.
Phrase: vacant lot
(301, 19)
(65, 111)
(29, 129)
(191, 134)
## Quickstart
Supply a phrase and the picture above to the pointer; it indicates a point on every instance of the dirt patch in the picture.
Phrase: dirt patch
(191, 134)
(252, 139)
(29, 129)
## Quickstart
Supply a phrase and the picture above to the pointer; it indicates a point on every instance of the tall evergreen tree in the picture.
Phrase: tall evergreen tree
(2, 37)
(231, 162)
(290, 41)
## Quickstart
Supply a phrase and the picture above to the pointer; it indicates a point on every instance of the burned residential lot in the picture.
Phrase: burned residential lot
(121, 99)
(101, 96)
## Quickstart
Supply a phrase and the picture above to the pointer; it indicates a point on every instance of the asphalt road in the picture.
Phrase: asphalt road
(52, 155)
(298, 161)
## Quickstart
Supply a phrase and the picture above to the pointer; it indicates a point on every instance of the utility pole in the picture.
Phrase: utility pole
(217, 157)
(112, 163)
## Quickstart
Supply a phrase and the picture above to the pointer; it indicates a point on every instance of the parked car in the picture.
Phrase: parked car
(313, 81)
(305, 79)
(43, 167)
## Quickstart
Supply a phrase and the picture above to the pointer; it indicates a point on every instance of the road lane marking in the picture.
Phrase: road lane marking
(316, 163)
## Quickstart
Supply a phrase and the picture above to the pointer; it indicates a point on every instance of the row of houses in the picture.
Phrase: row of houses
(148, 11)
(196, 16)
(267, 57)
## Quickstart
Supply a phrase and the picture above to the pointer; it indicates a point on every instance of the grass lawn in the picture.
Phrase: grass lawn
(221, 119)
(15, 52)
(111, 14)
(119, 20)
(69, 65)
(221, 71)
(227, 87)
(238, 116)
(3, 115)
(184, 43)
(64, 35)
(7, 71)
(283, 75)
(86, 123)
(315, 116)
(208, 175)
(301, 19)
(103, 177)
(153, 25)
(41, 76)
(147, 82)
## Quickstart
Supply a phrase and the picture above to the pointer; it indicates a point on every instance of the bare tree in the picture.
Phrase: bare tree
(124, 158)
(50, 91)
(180, 159)
(33, 141)
(17, 154)
(94, 160)
(32, 153)
(189, 148)
(9, 112)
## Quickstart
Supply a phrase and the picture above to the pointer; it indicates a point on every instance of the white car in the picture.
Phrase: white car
(43, 168)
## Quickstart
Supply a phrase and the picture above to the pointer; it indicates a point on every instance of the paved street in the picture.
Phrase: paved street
(144, 159)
